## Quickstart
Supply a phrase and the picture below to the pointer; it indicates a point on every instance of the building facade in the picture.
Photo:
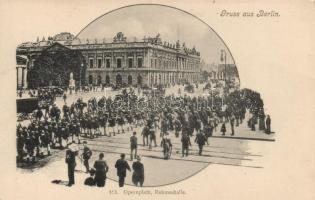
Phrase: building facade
(121, 61)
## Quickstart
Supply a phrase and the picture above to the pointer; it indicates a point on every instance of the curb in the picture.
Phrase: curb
(245, 138)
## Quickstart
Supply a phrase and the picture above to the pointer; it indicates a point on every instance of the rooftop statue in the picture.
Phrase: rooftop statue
(120, 37)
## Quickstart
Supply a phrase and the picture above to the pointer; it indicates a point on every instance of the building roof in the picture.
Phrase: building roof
(68, 40)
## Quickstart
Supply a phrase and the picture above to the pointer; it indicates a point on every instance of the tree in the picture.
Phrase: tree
(204, 75)
(54, 68)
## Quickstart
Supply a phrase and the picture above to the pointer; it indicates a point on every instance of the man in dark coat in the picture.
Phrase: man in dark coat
(268, 125)
(133, 145)
(185, 144)
(70, 160)
(101, 168)
(145, 133)
(200, 140)
(178, 127)
(138, 172)
(86, 155)
(122, 166)
(164, 127)
(232, 120)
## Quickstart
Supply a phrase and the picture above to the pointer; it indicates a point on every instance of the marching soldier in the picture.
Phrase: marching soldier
(30, 146)
(66, 111)
(20, 145)
(164, 127)
(112, 123)
(178, 127)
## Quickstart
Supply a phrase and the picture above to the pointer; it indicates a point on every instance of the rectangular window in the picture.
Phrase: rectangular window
(139, 62)
(118, 62)
(130, 62)
(91, 63)
(151, 63)
(99, 62)
(107, 63)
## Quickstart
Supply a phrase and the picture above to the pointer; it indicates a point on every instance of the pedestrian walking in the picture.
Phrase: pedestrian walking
(133, 146)
(101, 168)
(223, 128)
(70, 160)
(232, 120)
(268, 124)
(185, 144)
(86, 155)
(138, 172)
(201, 141)
(145, 135)
(122, 166)
(152, 136)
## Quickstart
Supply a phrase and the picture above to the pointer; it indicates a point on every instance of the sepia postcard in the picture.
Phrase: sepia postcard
(206, 99)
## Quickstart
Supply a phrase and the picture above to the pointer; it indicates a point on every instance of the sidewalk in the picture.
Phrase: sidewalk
(244, 133)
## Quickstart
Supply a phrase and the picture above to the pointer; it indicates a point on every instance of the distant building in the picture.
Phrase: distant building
(229, 71)
(121, 61)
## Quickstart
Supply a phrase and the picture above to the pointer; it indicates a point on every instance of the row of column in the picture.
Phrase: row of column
(170, 78)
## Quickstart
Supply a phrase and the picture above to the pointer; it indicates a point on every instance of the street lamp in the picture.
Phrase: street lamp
(223, 57)
(80, 81)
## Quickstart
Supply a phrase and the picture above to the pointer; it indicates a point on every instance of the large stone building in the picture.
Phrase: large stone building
(148, 61)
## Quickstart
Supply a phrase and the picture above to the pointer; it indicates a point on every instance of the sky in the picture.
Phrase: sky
(149, 20)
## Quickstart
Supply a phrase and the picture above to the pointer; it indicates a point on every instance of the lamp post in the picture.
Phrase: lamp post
(80, 81)
(223, 58)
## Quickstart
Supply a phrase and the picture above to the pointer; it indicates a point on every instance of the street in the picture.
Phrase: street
(222, 150)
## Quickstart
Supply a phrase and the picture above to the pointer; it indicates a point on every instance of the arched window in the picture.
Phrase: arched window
(130, 80)
(107, 80)
(139, 80)
(99, 80)
(152, 79)
(160, 78)
(90, 79)
(118, 80)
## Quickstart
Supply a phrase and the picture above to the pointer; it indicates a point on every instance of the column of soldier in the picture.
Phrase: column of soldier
(110, 116)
